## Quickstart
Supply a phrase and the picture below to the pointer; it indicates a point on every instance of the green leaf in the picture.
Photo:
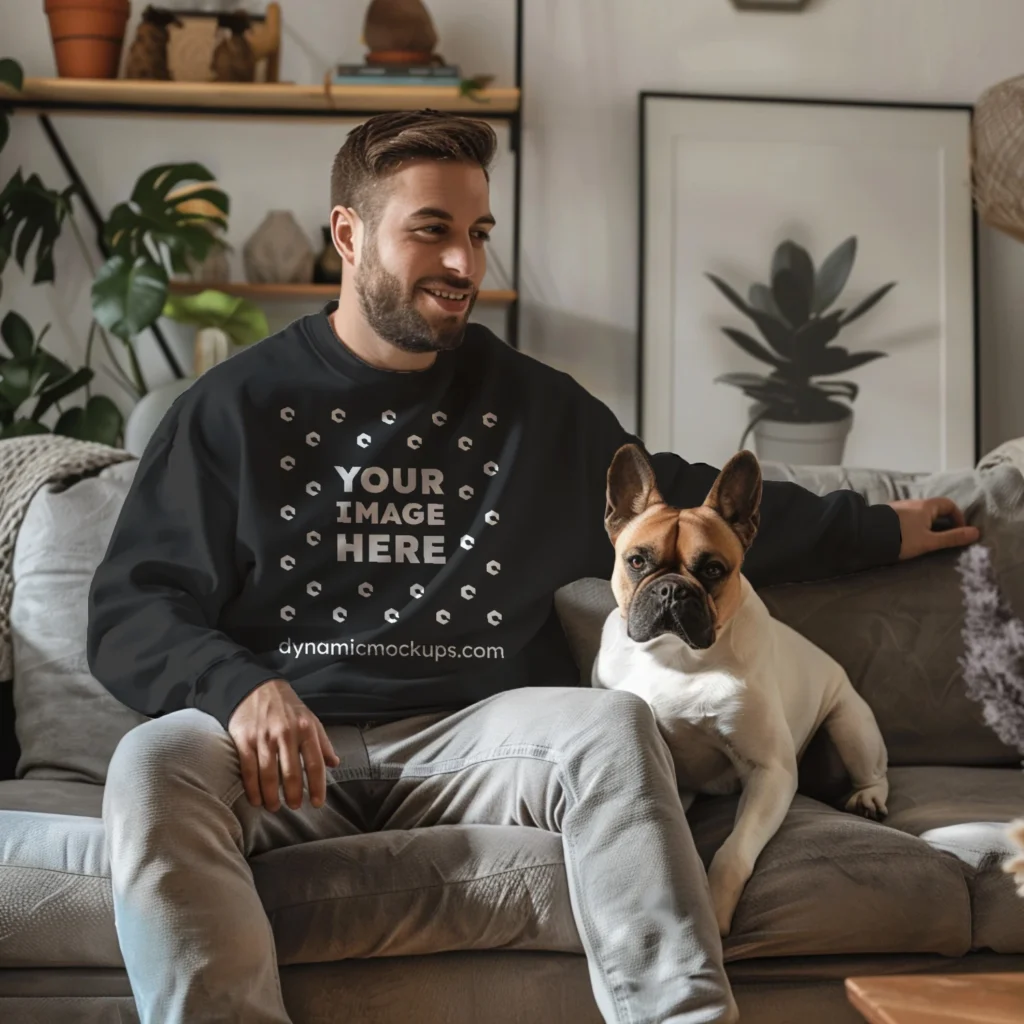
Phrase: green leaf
(63, 387)
(871, 300)
(751, 346)
(100, 421)
(797, 261)
(17, 335)
(128, 297)
(30, 207)
(833, 274)
(154, 217)
(21, 428)
(241, 320)
(19, 379)
(793, 300)
(11, 74)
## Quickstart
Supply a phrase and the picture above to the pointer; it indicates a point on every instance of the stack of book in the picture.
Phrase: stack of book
(393, 74)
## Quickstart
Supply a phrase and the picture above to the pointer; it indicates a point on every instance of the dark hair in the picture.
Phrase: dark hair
(378, 146)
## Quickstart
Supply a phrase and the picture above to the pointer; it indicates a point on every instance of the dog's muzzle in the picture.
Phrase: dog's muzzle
(671, 604)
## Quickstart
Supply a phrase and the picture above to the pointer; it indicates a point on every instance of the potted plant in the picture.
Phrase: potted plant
(87, 36)
(163, 228)
(796, 417)
(224, 324)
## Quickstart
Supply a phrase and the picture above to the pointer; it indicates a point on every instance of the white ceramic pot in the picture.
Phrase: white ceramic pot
(212, 346)
(147, 413)
(802, 444)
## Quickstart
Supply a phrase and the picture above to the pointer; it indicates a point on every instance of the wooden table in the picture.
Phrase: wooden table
(939, 998)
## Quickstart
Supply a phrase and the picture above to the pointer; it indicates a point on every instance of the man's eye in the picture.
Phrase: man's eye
(636, 561)
(484, 236)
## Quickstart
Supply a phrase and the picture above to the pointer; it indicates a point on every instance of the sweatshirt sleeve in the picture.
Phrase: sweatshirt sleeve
(168, 570)
(802, 536)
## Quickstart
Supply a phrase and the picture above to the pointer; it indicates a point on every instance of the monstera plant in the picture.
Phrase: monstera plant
(163, 228)
(797, 325)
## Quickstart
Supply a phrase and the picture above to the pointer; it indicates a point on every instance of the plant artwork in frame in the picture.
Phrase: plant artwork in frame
(807, 283)
(793, 314)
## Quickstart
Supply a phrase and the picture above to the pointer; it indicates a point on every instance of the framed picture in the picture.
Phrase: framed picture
(808, 282)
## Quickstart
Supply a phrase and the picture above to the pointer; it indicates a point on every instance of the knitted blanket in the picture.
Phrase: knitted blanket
(26, 464)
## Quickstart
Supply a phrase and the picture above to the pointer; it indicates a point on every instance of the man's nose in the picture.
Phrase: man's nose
(460, 259)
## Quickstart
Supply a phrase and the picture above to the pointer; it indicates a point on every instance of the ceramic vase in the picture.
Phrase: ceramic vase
(278, 252)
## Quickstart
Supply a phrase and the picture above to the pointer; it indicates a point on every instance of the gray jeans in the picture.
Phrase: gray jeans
(588, 764)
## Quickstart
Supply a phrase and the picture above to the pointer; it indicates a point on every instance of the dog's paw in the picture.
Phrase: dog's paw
(870, 801)
(727, 878)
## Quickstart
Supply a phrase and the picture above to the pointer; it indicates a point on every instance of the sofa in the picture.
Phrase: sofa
(472, 924)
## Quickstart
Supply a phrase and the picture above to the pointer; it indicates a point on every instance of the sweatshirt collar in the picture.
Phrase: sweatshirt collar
(343, 360)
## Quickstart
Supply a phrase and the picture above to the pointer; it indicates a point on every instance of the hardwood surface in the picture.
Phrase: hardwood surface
(127, 96)
(299, 292)
(939, 998)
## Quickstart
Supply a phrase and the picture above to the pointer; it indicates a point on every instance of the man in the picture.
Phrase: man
(336, 564)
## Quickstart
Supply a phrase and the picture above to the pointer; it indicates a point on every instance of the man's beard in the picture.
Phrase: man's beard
(394, 316)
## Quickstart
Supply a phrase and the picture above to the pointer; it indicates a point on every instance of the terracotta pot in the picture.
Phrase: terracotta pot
(87, 36)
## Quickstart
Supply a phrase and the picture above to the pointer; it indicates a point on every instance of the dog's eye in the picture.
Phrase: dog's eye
(713, 571)
(636, 561)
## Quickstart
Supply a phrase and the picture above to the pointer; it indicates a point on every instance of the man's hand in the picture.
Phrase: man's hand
(918, 516)
(271, 727)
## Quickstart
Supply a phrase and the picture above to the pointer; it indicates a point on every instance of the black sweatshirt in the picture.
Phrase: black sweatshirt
(389, 542)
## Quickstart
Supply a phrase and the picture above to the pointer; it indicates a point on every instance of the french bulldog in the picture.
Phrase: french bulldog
(737, 694)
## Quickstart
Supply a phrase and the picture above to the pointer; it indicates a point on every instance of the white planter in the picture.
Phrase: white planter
(147, 413)
(212, 346)
(802, 444)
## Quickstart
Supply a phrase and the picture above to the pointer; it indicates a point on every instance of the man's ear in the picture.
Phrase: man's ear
(632, 488)
(736, 496)
(346, 233)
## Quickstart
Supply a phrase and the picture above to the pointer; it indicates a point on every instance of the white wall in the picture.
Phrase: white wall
(585, 62)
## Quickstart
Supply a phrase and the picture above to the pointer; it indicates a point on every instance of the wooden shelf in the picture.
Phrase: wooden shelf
(240, 99)
(301, 292)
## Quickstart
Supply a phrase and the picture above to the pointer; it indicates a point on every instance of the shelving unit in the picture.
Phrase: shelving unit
(274, 101)
(298, 292)
(234, 99)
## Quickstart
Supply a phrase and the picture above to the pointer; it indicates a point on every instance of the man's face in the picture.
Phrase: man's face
(418, 274)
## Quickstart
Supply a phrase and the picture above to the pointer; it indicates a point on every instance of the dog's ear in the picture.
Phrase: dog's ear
(632, 488)
(736, 496)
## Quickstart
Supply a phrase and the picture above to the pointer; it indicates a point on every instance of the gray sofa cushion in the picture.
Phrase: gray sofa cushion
(834, 883)
(431, 890)
(67, 724)
(382, 894)
(827, 883)
(964, 813)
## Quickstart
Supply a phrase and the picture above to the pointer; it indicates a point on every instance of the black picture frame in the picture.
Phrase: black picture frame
(646, 96)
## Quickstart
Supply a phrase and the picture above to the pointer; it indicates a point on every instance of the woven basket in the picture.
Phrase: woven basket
(998, 156)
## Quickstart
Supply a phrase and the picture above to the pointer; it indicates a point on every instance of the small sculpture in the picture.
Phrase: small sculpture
(278, 252)
(399, 32)
(233, 59)
(147, 57)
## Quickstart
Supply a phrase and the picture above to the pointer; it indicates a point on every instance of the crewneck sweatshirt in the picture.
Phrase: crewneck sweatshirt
(389, 542)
